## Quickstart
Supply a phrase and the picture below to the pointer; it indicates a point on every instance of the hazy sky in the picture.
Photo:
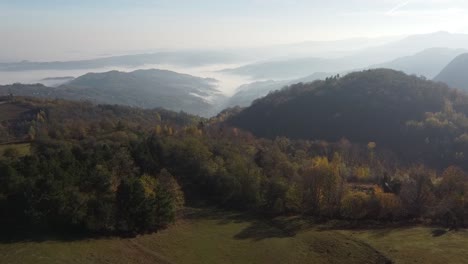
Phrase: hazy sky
(62, 29)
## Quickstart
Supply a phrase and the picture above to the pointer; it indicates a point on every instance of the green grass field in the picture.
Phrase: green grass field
(208, 236)
(417, 244)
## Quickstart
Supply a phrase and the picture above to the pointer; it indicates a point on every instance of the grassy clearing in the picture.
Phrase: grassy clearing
(417, 244)
(22, 149)
(233, 239)
(209, 237)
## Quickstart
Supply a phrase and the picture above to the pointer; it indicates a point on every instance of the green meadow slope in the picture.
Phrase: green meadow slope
(417, 244)
(202, 237)
(210, 236)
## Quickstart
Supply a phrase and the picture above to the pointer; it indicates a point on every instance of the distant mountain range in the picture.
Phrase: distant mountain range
(455, 74)
(411, 45)
(427, 63)
(142, 88)
(292, 68)
(180, 58)
(273, 62)
(409, 54)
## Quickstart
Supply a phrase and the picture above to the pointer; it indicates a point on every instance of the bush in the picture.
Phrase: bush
(355, 205)
(389, 205)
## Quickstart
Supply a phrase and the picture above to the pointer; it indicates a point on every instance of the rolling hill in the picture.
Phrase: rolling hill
(142, 88)
(399, 112)
(455, 74)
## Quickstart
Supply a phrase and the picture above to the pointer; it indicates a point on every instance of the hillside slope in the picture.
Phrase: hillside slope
(384, 106)
(455, 73)
(208, 237)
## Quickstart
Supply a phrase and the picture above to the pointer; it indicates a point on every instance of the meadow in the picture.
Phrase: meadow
(212, 236)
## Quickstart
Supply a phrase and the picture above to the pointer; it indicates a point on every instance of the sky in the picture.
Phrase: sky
(68, 29)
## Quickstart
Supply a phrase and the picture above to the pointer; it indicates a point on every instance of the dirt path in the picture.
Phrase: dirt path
(382, 257)
(160, 259)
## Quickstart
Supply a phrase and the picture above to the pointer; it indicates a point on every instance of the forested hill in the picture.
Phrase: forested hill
(404, 113)
(454, 74)
(142, 88)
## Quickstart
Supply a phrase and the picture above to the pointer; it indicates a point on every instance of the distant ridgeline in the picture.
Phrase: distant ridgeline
(455, 74)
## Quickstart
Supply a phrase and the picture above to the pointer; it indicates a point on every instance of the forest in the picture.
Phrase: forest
(105, 169)
(417, 120)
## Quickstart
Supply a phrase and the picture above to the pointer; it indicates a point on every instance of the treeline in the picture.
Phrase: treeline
(324, 180)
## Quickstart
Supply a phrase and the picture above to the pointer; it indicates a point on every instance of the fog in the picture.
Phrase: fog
(228, 83)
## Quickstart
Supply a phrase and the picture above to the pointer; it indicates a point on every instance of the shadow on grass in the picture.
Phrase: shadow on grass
(438, 232)
(11, 233)
(38, 234)
(21, 234)
(278, 227)
(375, 227)
(259, 228)
(223, 217)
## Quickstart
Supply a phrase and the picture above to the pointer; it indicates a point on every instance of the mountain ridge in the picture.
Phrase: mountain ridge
(454, 74)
